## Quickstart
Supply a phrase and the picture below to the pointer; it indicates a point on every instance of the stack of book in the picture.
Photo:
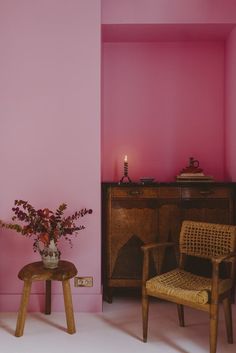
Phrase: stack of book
(193, 173)
(201, 177)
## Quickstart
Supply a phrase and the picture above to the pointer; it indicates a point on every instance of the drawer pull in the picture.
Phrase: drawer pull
(135, 192)
(206, 192)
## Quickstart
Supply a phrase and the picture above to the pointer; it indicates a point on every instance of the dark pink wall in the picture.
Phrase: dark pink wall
(231, 106)
(162, 103)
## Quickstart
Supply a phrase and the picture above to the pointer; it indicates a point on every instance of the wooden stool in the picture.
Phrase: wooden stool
(36, 272)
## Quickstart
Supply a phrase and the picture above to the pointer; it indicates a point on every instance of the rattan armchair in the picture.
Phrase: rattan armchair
(205, 240)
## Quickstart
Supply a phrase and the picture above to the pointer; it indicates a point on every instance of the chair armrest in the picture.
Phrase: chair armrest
(220, 258)
(216, 260)
(146, 258)
(151, 246)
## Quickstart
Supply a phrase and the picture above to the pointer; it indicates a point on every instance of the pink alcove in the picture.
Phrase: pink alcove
(168, 87)
(162, 103)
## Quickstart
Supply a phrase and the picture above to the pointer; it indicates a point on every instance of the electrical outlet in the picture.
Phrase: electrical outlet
(83, 281)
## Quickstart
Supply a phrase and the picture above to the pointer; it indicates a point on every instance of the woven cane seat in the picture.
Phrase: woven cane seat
(184, 285)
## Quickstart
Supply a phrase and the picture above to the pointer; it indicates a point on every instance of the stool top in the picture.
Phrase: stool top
(35, 271)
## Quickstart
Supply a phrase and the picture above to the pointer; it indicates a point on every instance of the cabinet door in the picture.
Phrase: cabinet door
(169, 225)
(132, 223)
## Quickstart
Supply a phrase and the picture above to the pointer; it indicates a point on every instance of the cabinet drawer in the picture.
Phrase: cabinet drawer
(205, 192)
(169, 193)
(134, 192)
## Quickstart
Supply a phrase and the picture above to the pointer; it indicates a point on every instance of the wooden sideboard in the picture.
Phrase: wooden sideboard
(135, 214)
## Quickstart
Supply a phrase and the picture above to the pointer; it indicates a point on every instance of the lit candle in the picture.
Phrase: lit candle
(126, 166)
(125, 178)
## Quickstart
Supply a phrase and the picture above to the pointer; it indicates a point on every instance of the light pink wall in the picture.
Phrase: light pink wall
(50, 133)
(163, 11)
(162, 103)
(230, 95)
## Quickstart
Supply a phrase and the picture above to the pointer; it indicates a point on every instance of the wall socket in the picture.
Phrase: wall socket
(83, 281)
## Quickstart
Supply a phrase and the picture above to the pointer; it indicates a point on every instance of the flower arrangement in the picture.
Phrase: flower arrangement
(43, 224)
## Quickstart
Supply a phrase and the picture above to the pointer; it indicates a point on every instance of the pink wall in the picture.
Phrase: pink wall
(163, 11)
(231, 106)
(50, 115)
(162, 103)
(50, 133)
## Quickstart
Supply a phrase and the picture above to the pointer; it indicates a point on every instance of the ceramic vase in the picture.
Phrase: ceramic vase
(50, 255)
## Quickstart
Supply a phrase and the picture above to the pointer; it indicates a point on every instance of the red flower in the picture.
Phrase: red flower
(44, 238)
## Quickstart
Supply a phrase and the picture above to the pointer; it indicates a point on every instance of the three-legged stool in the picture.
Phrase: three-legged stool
(36, 272)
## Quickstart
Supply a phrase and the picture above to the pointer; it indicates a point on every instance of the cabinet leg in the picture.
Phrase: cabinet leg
(109, 294)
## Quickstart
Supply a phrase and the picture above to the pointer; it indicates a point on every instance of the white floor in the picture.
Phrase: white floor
(117, 330)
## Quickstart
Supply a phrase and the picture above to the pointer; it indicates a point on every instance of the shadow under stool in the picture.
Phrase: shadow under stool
(36, 272)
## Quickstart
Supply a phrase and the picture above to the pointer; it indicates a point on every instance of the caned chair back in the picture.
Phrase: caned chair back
(207, 239)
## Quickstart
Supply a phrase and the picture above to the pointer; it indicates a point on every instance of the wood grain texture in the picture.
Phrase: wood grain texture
(36, 272)
(135, 214)
(68, 307)
(23, 309)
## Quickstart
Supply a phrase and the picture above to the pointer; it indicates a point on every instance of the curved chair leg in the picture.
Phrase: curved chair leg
(145, 307)
(180, 308)
(228, 319)
(214, 310)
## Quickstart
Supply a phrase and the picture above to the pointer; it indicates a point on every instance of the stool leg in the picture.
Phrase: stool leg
(68, 307)
(22, 310)
(48, 298)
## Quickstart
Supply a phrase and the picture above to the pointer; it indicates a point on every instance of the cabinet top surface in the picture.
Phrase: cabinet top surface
(171, 184)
